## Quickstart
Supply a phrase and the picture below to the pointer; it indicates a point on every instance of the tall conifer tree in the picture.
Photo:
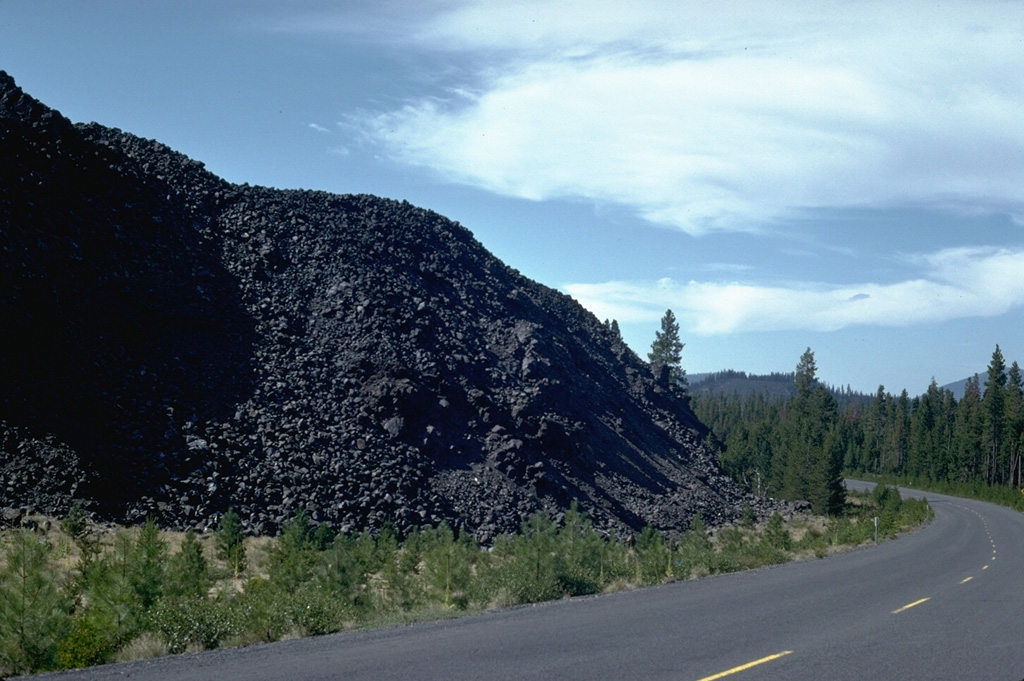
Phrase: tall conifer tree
(1014, 435)
(993, 404)
(667, 349)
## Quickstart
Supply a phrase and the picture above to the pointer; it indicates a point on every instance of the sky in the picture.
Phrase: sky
(844, 176)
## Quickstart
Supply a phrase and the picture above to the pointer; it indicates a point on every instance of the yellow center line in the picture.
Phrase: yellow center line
(984, 567)
(908, 606)
(743, 667)
(965, 580)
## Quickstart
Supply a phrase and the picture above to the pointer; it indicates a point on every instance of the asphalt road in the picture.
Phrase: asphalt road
(946, 602)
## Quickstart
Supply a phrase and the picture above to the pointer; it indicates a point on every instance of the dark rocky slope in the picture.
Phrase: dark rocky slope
(174, 344)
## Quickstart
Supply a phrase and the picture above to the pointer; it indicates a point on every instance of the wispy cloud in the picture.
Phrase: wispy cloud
(955, 283)
(318, 128)
(710, 118)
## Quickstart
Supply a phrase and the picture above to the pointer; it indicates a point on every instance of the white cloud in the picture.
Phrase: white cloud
(956, 283)
(707, 118)
(318, 128)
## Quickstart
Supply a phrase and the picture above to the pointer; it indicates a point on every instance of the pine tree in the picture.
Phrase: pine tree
(875, 427)
(926, 438)
(695, 549)
(188, 573)
(897, 441)
(33, 612)
(150, 562)
(667, 349)
(345, 568)
(946, 429)
(1014, 436)
(409, 564)
(114, 606)
(392, 585)
(531, 571)
(447, 566)
(652, 556)
(814, 449)
(806, 377)
(584, 563)
(230, 541)
(968, 433)
(292, 555)
(993, 404)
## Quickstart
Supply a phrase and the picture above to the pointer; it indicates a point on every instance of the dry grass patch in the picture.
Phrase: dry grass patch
(146, 646)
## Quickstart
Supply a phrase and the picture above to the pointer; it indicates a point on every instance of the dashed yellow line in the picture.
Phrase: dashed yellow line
(908, 606)
(966, 579)
(743, 667)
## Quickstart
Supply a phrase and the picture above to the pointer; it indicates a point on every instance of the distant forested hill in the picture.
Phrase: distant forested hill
(729, 382)
(774, 385)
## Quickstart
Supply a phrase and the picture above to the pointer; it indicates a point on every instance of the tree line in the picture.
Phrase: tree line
(933, 438)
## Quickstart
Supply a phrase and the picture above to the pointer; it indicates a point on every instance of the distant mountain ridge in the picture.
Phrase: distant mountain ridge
(774, 384)
(958, 388)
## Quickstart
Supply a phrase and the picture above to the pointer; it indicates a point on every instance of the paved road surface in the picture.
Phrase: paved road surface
(946, 602)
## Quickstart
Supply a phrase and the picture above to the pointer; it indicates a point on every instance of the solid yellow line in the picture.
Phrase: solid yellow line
(908, 606)
(743, 667)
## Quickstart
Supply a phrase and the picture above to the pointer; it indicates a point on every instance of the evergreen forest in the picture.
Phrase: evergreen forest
(796, 447)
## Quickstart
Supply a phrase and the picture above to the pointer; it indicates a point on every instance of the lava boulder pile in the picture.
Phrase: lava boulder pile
(174, 344)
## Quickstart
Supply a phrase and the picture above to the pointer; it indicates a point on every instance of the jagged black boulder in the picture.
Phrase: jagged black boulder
(175, 344)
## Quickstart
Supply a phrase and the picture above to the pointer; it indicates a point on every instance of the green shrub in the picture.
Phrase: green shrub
(191, 622)
(256, 613)
(84, 646)
(313, 611)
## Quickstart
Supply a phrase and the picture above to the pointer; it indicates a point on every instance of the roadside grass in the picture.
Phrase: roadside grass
(99, 593)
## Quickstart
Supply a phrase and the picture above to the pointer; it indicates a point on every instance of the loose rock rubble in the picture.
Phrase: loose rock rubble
(175, 344)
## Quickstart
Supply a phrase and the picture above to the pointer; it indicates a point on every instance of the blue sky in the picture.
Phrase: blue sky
(843, 176)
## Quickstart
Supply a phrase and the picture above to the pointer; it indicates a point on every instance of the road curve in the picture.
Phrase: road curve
(946, 602)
